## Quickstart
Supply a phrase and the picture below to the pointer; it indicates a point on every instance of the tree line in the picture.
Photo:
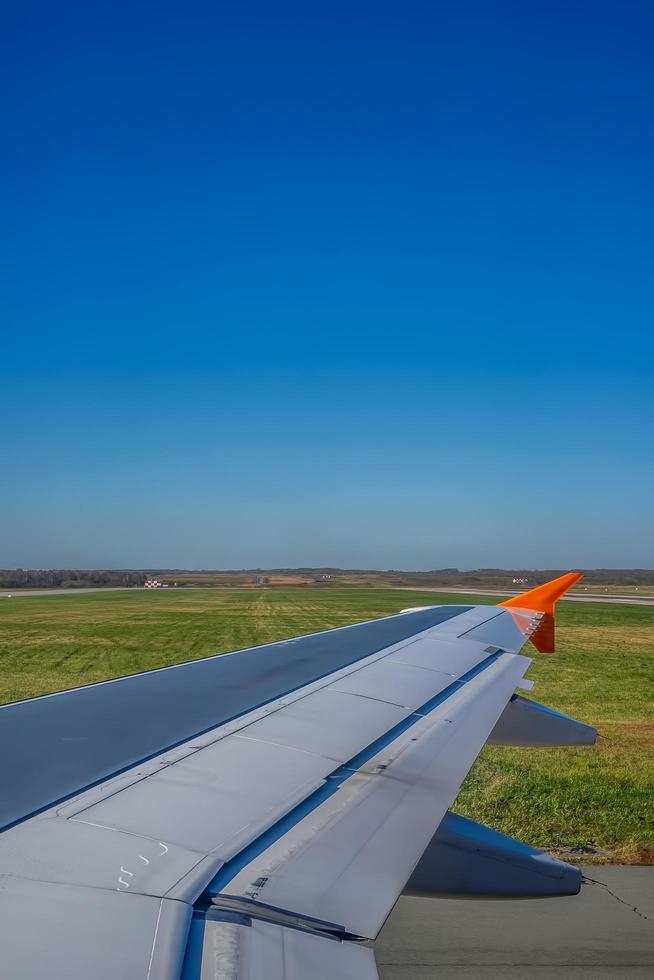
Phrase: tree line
(66, 578)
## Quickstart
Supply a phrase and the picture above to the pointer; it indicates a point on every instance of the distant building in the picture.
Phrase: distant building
(152, 583)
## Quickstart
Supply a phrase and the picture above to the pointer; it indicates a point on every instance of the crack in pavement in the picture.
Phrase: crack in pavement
(634, 908)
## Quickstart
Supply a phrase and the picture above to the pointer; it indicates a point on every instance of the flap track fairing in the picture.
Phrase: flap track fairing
(468, 860)
(526, 722)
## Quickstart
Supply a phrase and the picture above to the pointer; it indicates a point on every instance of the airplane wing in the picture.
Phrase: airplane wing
(256, 815)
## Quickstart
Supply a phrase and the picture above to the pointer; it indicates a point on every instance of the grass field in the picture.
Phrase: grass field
(561, 799)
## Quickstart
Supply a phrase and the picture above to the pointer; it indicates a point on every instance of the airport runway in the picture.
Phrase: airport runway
(591, 597)
(592, 935)
(647, 600)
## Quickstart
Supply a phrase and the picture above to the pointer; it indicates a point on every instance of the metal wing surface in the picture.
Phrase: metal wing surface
(269, 843)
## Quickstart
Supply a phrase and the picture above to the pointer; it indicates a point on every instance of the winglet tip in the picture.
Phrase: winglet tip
(543, 599)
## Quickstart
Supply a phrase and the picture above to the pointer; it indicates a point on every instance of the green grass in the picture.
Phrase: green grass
(561, 799)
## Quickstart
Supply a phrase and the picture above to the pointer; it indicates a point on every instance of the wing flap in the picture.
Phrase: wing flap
(347, 860)
(241, 948)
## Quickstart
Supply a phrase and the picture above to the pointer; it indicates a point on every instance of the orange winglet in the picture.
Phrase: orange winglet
(544, 599)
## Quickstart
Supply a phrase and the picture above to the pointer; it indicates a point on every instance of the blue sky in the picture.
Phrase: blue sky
(350, 284)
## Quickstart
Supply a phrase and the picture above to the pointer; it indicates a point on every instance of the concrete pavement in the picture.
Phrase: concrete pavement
(632, 600)
(592, 935)
(590, 597)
